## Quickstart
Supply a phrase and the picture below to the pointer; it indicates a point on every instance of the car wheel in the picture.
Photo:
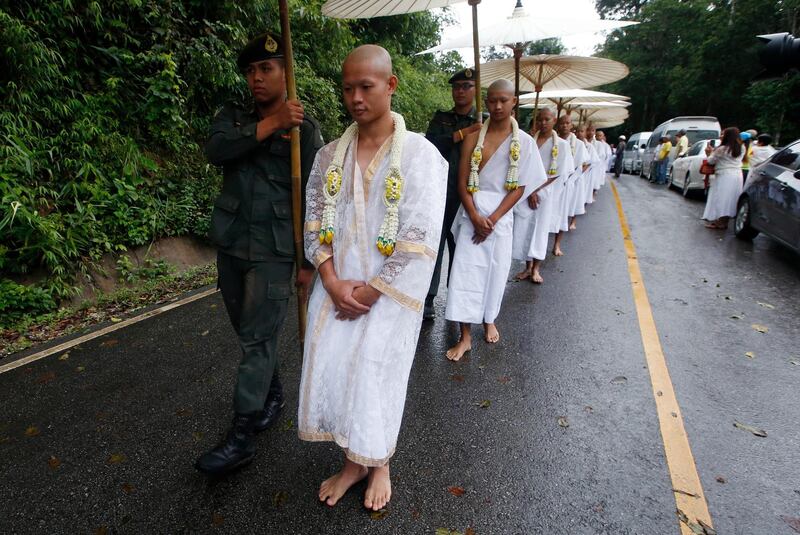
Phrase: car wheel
(686, 191)
(741, 226)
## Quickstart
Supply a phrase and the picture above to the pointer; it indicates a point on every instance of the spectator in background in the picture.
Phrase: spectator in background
(761, 150)
(681, 144)
(618, 156)
(662, 161)
(726, 186)
(747, 141)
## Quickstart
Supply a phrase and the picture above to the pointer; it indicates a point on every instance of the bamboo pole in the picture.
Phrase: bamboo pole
(297, 183)
(476, 49)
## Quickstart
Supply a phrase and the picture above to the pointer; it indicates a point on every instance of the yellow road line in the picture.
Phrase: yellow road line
(689, 496)
(105, 330)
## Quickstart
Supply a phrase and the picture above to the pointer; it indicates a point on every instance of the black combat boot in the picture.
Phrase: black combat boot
(237, 450)
(272, 406)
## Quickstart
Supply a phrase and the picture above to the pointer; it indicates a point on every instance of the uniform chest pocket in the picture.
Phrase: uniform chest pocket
(223, 220)
(282, 228)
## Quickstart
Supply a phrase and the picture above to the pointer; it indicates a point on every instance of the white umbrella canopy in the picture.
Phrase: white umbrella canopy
(524, 27)
(366, 9)
(581, 105)
(601, 117)
(551, 71)
(566, 95)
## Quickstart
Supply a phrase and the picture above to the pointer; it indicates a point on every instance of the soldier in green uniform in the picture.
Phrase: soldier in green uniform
(446, 131)
(251, 225)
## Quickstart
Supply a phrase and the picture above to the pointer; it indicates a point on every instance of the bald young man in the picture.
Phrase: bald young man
(365, 311)
(486, 220)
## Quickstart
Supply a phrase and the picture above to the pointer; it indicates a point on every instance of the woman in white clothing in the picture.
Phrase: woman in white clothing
(726, 186)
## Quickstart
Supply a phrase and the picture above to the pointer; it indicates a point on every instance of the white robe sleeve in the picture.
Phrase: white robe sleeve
(406, 274)
(316, 252)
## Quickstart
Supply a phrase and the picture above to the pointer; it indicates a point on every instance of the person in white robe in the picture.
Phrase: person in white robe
(607, 154)
(537, 218)
(498, 166)
(726, 182)
(582, 164)
(576, 151)
(374, 209)
(589, 171)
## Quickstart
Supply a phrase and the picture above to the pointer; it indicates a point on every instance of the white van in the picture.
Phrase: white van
(697, 128)
(632, 156)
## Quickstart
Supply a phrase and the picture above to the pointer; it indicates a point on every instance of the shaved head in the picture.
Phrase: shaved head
(368, 84)
(545, 121)
(564, 125)
(548, 112)
(374, 57)
(501, 86)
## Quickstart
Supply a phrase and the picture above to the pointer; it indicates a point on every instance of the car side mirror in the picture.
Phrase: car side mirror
(643, 146)
(797, 174)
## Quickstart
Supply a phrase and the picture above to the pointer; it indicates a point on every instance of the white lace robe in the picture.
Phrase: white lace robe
(355, 373)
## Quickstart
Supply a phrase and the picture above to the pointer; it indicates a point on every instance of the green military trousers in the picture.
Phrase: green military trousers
(256, 296)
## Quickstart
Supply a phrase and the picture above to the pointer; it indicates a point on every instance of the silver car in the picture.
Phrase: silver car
(684, 173)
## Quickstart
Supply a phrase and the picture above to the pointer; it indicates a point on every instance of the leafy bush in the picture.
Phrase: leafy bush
(17, 301)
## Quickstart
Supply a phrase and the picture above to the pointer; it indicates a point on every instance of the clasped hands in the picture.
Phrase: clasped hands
(483, 227)
(351, 299)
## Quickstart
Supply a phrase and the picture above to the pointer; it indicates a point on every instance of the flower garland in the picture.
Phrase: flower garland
(387, 236)
(573, 143)
(553, 169)
(512, 177)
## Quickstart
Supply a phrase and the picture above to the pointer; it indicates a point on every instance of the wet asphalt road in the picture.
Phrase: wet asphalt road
(103, 440)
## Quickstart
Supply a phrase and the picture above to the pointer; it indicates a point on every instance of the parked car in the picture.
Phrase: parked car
(770, 202)
(632, 156)
(684, 173)
(697, 129)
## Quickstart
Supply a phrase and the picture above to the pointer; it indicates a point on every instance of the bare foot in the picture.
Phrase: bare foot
(536, 277)
(573, 226)
(492, 336)
(457, 351)
(714, 226)
(523, 275)
(333, 488)
(557, 251)
(379, 488)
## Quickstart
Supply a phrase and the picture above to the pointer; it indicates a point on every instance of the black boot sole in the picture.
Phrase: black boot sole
(261, 428)
(241, 463)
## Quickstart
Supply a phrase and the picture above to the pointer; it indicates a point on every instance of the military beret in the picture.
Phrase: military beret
(467, 75)
(265, 46)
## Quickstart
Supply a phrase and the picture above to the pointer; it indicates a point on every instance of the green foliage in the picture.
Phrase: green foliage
(699, 57)
(104, 107)
(17, 301)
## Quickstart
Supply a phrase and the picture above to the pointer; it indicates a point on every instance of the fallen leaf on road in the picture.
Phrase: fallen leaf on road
(80, 368)
(727, 297)
(217, 519)
(115, 319)
(102, 530)
(721, 479)
(280, 499)
(110, 343)
(183, 412)
(127, 488)
(760, 328)
(116, 458)
(563, 422)
(793, 523)
(53, 462)
(213, 306)
(750, 355)
(589, 409)
(447, 531)
(796, 362)
(379, 514)
(757, 432)
(470, 531)
(456, 491)
(504, 379)
(32, 431)
(674, 414)
(737, 317)
(204, 333)
(619, 380)
(686, 492)
(197, 435)
(46, 378)
(65, 356)
(659, 393)
(415, 514)
(707, 530)
(485, 404)
(766, 305)
(481, 366)
(698, 528)
(457, 377)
